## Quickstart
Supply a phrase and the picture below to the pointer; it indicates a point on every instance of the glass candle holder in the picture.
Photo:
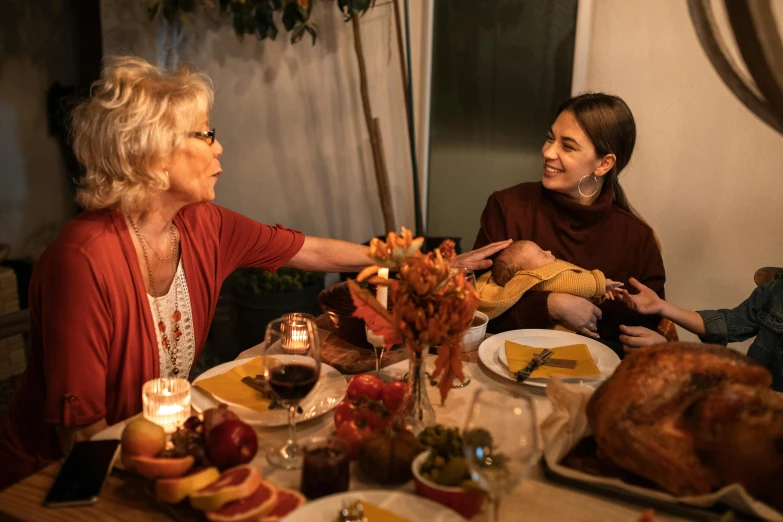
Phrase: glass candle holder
(295, 336)
(166, 402)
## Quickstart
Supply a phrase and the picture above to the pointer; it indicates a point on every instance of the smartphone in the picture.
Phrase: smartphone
(84, 471)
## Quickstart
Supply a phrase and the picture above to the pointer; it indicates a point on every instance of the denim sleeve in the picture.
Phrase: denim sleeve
(735, 325)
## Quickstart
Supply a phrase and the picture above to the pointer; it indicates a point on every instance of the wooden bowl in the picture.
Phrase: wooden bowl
(338, 307)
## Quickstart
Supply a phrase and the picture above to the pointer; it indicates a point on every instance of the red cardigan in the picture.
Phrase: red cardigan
(93, 342)
(600, 236)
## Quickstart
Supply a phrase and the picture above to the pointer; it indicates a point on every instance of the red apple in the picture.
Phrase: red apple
(231, 443)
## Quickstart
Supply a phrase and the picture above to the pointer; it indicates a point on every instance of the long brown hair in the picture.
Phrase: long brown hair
(608, 122)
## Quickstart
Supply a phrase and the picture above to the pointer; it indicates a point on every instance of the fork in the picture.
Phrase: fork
(534, 364)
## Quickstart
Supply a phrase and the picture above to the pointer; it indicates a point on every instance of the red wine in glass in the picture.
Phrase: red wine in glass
(292, 382)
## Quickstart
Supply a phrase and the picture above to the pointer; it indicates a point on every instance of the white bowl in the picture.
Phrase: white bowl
(473, 337)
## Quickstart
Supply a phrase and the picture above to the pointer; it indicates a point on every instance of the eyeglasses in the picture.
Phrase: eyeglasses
(207, 135)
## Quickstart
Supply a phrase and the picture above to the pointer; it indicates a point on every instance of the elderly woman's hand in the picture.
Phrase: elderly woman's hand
(634, 337)
(575, 313)
(477, 259)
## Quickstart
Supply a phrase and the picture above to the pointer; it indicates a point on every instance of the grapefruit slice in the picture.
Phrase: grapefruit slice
(234, 484)
(174, 490)
(152, 467)
(287, 501)
(249, 508)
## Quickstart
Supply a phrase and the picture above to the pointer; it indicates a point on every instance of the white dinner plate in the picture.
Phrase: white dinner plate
(403, 504)
(493, 354)
(326, 395)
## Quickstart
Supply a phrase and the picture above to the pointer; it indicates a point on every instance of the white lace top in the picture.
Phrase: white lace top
(186, 343)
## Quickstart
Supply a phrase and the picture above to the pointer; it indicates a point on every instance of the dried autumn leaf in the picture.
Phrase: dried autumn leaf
(448, 365)
(381, 281)
(377, 318)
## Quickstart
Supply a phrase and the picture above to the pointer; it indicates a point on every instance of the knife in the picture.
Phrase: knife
(255, 384)
(534, 364)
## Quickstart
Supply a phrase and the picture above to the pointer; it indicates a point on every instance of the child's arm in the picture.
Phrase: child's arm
(647, 302)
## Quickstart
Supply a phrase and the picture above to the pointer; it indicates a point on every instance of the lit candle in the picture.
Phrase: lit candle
(295, 338)
(166, 402)
(382, 294)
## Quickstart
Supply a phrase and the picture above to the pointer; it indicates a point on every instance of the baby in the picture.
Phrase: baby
(525, 266)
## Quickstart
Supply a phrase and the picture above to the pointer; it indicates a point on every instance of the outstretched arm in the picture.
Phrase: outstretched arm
(322, 254)
(647, 302)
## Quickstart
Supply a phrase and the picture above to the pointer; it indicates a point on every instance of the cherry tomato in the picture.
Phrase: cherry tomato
(365, 385)
(394, 395)
(350, 410)
(353, 432)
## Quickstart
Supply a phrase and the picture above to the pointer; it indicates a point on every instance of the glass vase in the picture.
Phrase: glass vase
(419, 412)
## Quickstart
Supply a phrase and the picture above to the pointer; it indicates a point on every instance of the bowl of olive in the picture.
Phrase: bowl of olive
(441, 474)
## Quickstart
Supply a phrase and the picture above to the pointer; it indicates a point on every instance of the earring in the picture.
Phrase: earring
(597, 186)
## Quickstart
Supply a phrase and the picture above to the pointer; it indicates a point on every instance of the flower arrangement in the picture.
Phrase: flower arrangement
(432, 304)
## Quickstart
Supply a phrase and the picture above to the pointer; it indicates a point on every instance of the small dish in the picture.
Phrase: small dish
(466, 502)
(472, 338)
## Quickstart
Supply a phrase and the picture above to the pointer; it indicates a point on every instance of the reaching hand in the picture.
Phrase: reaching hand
(575, 313)
(477, 259)
(613, 289)
(634, 337)
(645, 302)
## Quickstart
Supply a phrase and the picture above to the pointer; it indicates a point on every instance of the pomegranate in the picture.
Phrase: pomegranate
(215, 416)
(230, 443)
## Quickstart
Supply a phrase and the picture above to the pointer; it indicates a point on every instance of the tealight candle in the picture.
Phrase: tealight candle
(166, 402)
(295, 337)
(382, 294)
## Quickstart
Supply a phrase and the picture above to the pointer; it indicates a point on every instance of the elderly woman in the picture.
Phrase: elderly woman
(127, 291)
(580, 213)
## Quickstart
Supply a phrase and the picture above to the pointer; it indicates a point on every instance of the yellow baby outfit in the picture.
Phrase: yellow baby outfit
(557, 276)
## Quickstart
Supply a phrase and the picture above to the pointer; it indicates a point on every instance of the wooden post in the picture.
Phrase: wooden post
(379, 163)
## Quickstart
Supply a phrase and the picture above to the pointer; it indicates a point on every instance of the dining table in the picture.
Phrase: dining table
(535, 499)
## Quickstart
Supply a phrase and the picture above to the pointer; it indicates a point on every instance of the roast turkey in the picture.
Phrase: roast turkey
(692, 418)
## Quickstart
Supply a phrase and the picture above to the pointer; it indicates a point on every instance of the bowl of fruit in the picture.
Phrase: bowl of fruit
(441, 473)
(205, 465)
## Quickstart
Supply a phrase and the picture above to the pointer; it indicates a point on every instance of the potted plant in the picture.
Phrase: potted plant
(260, 296)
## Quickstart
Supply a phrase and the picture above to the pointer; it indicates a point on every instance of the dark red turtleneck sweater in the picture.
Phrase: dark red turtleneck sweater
(599, 236)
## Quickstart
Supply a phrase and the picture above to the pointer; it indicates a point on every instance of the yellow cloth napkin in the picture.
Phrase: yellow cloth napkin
(228, 386)
(519, 355)
(374, 513)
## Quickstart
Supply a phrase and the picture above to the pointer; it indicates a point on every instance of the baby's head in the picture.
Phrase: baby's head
(519, 255)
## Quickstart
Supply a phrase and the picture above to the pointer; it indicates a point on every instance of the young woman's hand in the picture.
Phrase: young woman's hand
(575, 313)
(634, 337)
(645, 302)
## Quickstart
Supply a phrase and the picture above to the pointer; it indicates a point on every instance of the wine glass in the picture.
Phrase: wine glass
(500, 442)
(470, 275)
(378, 347)
(292, 365)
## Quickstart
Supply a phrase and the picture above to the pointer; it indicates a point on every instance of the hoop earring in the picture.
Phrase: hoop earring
(597, 186)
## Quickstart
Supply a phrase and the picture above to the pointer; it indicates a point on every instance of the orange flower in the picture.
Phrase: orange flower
(396, 249)
(448, 250)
